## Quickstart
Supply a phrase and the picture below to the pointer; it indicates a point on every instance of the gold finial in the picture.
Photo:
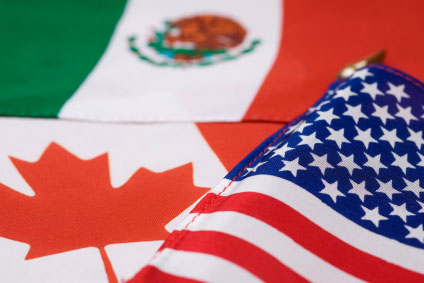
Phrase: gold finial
(350, 69)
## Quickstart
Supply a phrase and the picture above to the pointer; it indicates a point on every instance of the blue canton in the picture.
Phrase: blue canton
(360, 151)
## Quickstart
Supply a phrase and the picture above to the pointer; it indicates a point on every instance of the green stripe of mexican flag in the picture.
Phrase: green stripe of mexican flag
(47, 50)
(138, 60)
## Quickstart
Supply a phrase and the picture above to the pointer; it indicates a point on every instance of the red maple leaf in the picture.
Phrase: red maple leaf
(76, 207)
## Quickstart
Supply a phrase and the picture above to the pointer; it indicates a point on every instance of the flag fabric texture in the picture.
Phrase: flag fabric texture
(335, 196)
(154, 102)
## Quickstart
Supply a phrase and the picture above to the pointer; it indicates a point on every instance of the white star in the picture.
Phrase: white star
(401, 211)
(331, 190)
(320, 162)
(382, 113)
(397, 91)
(294, 126)
(416, 233)
(421, 163)
(310, 140)
(374, 162)
(359, 190)
(282, 150)
(390, 137)
(422, 207)
(373, 215)
(387, 189)
(292, 166)
(364, 137)
(362, 74)
(327, 116)
(348, 163)
(413, 187)
(337, 136)
(324, 102)
(311, 109)
(416, 137)
(405, 114)
(253, 169)
(355, 112)
(402, 162)
(302, 127)
(344, 93)
(371, 89)
(271, 148)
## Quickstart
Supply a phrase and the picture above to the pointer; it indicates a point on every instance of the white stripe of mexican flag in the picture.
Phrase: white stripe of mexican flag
(123, 87)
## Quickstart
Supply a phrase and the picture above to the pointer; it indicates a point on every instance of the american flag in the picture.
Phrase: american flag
(335, 196)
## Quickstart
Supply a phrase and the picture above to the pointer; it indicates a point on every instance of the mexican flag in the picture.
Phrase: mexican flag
(145, 61)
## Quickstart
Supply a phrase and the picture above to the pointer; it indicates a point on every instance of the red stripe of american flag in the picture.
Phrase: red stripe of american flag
(270, 211)
(236, 250)
(154, 274)
(310, 236)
